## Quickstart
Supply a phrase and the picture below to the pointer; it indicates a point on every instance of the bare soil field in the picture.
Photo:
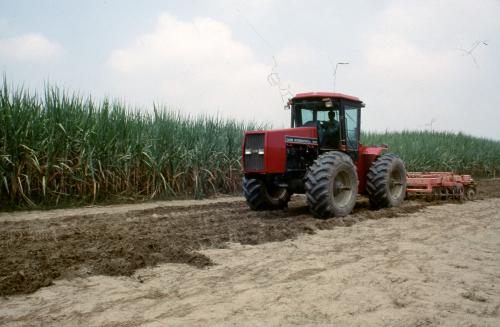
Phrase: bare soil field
(217, 263)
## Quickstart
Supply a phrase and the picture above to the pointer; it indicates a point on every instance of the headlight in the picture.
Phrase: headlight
(248, 151)
(261, 152)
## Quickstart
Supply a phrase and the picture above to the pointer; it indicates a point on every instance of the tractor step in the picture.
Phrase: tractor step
(440, 185)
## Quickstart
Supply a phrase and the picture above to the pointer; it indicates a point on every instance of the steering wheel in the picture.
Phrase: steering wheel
(310, 123)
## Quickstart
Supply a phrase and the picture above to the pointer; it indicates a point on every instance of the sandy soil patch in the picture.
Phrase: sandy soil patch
(417, 265)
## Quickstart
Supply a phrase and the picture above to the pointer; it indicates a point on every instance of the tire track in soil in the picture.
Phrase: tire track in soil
(34, 253)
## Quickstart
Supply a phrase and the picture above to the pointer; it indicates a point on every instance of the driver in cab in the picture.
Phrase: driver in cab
(332, 123)
(330, 131)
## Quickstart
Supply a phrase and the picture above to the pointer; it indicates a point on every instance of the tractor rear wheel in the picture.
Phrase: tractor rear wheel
(260, 196)
(331, 185)
(386, 181)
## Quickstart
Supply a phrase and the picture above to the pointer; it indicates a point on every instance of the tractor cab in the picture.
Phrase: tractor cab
(336, 117)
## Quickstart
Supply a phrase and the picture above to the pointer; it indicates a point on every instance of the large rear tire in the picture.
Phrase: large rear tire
(386, 181)
(331, 185)
(260, 196)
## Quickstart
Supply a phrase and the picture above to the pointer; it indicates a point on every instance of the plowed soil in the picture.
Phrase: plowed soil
(48, 247)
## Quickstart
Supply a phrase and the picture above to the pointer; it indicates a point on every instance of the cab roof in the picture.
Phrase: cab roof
(325, 95)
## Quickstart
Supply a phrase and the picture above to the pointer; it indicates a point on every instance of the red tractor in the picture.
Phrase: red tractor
(320, 155)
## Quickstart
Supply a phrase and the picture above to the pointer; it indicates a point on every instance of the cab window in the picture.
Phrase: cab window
(310, 113)
(307, 116)
(351, 126)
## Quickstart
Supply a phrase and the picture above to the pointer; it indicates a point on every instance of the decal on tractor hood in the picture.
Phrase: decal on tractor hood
(301, 140)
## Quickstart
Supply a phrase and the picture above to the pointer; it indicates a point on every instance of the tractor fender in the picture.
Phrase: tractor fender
(367, 155)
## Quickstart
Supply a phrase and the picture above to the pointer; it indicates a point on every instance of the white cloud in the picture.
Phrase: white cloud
(412, 42)
(395, 56)
(196, 66)
(31, 47)
(413, 72)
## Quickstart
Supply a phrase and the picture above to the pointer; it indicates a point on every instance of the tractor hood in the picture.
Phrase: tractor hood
(265, 151)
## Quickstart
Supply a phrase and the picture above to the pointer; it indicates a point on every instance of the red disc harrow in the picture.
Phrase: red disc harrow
(440, 186)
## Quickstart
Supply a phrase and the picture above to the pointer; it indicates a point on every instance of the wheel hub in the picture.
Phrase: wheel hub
(395, 184)
(341, 188)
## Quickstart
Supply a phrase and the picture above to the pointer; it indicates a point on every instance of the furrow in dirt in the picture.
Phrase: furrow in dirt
(33, 253)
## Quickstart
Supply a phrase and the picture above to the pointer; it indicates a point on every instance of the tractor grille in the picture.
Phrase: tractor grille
(254, 160)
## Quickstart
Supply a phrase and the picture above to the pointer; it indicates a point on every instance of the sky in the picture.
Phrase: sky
(431, 64)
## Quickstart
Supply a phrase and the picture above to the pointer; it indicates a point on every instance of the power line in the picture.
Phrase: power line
(473, 48)
(273, 78)
(254, 29)
(335, 73)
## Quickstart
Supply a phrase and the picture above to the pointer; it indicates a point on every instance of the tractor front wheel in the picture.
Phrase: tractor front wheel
(260, 196)
(332, 185)
(386, 181)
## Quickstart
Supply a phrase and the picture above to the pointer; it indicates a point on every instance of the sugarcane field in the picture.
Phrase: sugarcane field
(221, 164)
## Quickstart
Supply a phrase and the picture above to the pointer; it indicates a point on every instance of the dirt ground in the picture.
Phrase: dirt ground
(126, 265)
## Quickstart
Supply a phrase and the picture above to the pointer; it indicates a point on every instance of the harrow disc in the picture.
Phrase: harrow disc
(470, 193)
